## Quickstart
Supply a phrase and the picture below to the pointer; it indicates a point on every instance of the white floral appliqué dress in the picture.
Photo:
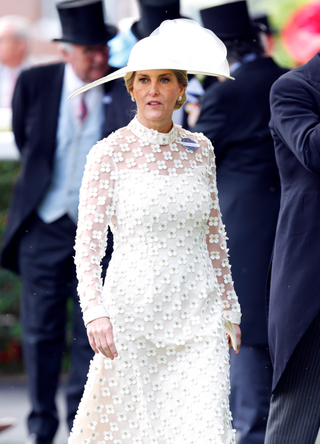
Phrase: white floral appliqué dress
(167, 291)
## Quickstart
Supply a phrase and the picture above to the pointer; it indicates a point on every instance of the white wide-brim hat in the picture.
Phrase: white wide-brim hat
(178, 44)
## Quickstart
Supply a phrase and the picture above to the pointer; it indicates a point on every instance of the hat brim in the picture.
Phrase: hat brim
(123, 71)
(111, 32)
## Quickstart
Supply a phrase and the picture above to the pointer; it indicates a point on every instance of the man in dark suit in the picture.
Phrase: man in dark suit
(54, 135)
(294, 304)
(235, 116)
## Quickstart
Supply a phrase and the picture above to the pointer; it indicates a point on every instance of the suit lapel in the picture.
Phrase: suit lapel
(52, 88)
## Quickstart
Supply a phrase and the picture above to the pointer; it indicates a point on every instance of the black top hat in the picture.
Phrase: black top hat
(83, 24)
(229, 21)
(153, 13)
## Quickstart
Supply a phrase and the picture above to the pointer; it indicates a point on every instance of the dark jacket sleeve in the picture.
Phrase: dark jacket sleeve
(19, 112)
(212, 120)
(295, 118)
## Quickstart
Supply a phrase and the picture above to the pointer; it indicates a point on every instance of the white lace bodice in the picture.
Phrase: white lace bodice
(132, 171)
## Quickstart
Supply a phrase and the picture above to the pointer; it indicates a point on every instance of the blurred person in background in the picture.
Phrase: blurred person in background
(235, 116)
(267, 34)
(54, 135)
(15, 41)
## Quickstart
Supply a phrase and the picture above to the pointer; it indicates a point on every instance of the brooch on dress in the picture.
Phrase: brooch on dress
(190, 144)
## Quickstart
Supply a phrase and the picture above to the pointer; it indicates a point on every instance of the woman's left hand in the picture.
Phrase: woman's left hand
(238, 336)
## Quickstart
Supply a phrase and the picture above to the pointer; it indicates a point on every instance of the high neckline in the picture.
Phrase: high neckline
(151, 135)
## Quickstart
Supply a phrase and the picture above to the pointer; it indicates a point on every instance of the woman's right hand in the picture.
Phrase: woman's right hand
(100, 336)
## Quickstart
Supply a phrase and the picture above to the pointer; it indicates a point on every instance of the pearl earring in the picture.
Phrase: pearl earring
(132, 98)
(179, 98)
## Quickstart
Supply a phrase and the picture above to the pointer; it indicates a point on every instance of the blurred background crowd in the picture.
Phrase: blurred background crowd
(27, 28)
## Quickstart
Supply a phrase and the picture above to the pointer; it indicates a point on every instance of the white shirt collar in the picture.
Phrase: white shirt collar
(72, 82)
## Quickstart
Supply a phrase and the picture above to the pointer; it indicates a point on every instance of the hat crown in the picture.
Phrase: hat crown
(82, 22)
(174, 45)
(152, 14)
(229, 21)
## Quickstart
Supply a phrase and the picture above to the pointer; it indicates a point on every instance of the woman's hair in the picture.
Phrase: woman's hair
(181, 76)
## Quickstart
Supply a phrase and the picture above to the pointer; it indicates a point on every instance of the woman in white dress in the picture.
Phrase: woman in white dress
(161, 369)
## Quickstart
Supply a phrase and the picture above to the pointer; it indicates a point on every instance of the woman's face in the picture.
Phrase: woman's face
(156, 92)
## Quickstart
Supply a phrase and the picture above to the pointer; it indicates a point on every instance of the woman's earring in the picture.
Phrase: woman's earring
(179, 98)
(132, 98)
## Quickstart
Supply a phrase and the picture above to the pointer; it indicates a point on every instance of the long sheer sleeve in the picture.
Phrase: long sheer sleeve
(96, 209)
(217, 247)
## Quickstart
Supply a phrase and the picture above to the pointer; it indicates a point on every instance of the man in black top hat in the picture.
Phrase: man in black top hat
(235, 116)
(54, 135)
